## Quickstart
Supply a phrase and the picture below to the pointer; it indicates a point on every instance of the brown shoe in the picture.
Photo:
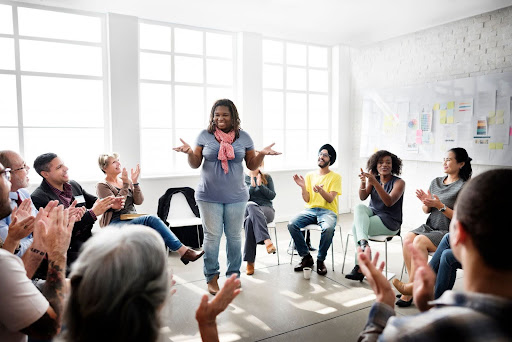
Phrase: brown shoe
(271, 249)
(213, 286)
(403, 288)
(191, 255)
(307, 261)
(250, 268)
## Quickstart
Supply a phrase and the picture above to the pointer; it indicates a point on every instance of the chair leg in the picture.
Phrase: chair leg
(293, 248)
(403, 265)
(345, 254)
(198, 237)
(386, 256)
(332, 255)
(341, 238)
(277, 244)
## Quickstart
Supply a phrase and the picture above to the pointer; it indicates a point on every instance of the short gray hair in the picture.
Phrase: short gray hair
(103, 158)
(118, 284)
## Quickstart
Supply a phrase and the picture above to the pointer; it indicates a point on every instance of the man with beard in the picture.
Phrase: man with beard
(25, 310)
(56, 185)
(320, 191)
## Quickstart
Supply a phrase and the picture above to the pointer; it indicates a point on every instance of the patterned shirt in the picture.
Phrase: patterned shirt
(457, 316)
(66, 196)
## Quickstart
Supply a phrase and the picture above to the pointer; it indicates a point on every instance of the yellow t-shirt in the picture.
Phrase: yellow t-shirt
(331, 182)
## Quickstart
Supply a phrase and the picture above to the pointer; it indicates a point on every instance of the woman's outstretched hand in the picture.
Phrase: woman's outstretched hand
(268, 151)
(185, 148)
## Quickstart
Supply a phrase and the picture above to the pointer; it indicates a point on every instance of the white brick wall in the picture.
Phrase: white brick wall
(470, 47)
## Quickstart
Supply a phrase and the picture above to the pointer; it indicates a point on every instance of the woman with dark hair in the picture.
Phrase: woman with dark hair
(222, 194)
(258, 214)
(384, 214)
(438, 202)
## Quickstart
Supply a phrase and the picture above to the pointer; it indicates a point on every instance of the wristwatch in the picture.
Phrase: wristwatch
(443, 208)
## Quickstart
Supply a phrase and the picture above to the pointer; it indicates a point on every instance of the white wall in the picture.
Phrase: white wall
(470, 47)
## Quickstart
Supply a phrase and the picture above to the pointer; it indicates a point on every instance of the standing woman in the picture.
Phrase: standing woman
(258, 214)
(222, 194)
(384, 214)
(438, 201)
(117, 183)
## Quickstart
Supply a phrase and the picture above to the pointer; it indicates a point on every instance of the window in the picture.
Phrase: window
(53, 86)
(296, 101)
(183, 71)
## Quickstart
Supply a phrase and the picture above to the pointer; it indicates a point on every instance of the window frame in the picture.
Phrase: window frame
(285, 91)
(173, 83)
(18, 73)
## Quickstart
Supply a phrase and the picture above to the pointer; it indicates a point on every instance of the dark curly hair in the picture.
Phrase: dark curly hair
(235, 119)
(396, 163)
(461, 155)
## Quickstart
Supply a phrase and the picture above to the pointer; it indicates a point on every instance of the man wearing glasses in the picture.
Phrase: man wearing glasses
(320, 191)
(17, 194)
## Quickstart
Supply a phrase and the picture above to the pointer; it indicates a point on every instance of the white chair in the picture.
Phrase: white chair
(378, 238)
(317, 228)
(272, 225)
(180, 214)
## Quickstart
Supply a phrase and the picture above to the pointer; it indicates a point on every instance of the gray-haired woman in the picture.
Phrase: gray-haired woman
(120, 282)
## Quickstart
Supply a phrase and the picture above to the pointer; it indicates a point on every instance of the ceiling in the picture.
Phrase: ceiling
(346, 22)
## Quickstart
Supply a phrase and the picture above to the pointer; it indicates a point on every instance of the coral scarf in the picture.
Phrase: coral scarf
(226, 151)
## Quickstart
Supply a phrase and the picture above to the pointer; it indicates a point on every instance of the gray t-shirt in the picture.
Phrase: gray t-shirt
(215, 185)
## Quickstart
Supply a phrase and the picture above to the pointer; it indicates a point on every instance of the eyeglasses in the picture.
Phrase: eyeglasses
(24, 167)
(6, 173)
(321, 154)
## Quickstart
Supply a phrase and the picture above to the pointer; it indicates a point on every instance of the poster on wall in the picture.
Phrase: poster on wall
(464, 110)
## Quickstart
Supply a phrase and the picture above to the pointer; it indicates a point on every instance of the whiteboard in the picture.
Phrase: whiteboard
(422, 122)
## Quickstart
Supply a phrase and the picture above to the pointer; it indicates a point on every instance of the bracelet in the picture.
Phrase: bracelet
(135, 184)
(363, 189)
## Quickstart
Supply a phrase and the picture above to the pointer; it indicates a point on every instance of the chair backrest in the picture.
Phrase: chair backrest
(179, 208)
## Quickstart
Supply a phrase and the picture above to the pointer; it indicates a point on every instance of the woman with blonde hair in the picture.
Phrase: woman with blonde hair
(118, 183)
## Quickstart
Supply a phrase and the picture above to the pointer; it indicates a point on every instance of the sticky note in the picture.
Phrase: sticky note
(492, 114)
(436, 106)
(499, 146)
(451, 105)
(510, 131)
(500, 121)
(492, 121)
(500, 113)
(442, 106)
(492, 146)
(449, 120)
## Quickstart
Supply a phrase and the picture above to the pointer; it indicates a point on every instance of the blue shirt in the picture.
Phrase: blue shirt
(4, 223)
(215, 185)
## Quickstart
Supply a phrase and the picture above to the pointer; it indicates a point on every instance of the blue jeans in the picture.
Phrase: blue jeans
(219, 217)
(324, 218)
(445, 264)
(154, 222)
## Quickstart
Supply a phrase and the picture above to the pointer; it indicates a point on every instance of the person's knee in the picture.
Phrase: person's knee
(409, 237)
(422, 242)
(360, 209)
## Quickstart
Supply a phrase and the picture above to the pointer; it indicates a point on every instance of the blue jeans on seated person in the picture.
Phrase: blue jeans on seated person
(157, 224)
(445, 265)
(325, 218)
